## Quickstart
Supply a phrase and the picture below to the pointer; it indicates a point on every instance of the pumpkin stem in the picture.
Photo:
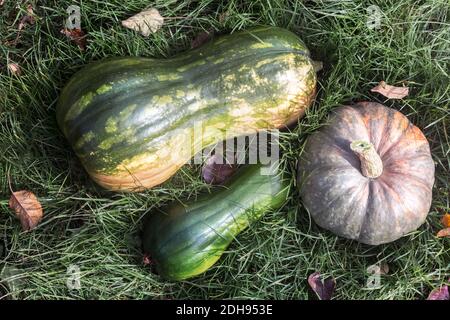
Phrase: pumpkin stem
(371, 164)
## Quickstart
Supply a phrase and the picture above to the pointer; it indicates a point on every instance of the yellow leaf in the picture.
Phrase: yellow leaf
(391, 92)
(446, 220)
(146, 22)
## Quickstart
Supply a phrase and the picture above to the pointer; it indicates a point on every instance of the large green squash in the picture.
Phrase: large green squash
(184, 240)
(134, 122)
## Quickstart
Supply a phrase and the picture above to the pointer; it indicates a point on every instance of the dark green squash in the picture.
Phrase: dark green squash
(184, 240)
(134, 122)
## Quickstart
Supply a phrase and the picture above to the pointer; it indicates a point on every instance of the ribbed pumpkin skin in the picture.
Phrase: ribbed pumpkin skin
(342, 200)
(131, 120)
(184, 240)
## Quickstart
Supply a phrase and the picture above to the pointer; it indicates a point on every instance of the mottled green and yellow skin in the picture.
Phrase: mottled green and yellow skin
(134, 122)
(184, 240)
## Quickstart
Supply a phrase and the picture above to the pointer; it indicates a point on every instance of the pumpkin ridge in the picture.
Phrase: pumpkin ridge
(409, 176)
(346, 154)
(360, 108)
(369, 213)
(364, 109)
(346, 191)
(354, 202)
(366, 205)
(392, 158)
(402, 203)
(423, 140)
(394, 144)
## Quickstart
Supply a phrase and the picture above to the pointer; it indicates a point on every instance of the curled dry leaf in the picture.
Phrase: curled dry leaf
(146, 260)
(446, 223)
(443, 233)
(202, 38)
(216, 170)
(28, 18)
(224, 16)
(390, 92)
(146, 22)
(441, 293)
(76, 35)
(323, 288)
(27, 207)
(14, 68)
(383, 268)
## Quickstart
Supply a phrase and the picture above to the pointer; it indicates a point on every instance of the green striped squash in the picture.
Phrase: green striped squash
(134, 121)
(185, 239)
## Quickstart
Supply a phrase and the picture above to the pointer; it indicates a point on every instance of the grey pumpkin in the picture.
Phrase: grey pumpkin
(367, 175)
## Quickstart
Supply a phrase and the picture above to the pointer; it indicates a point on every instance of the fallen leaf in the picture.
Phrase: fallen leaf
(216, 171)
(223, 16)
(317, 65)
(384, 268)
(446, 220)
(76, 35)
(14, 68)
(28, 19)
(27, 208)
(2, 2)
(323, 288)
(443, 233)
(440, 293)
(390, 92)
(146, 260)
(202, 38)
(146, 22)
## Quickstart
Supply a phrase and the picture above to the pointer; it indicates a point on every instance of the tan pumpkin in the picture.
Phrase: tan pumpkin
(368, 174)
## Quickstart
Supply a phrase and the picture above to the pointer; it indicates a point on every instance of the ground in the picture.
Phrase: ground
(97, 233)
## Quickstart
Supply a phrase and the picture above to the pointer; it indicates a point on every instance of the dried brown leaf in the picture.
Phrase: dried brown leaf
(146, 260)
(223, 16)
(216, 170)
(390, 92)
(28, 19)
(76, 35)
(27, 207)
(441, 293)
(324, 288)
(146, 22)
(443, 233)
(202, 38)
(384, 268)
(2, 2)
(14, 68)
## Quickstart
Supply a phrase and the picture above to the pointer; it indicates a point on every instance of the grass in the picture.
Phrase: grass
(99, 231)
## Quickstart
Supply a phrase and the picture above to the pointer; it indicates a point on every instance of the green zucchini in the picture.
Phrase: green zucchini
(185, 239)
